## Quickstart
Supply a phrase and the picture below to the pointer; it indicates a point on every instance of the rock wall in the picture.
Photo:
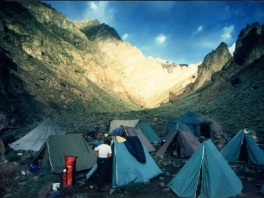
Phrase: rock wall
(213, 62)
(249, 45)
(114, 65)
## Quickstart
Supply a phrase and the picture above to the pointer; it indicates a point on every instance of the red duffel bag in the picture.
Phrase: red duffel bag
(67, 175)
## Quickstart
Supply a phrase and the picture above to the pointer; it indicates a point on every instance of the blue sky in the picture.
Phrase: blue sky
(176, 31)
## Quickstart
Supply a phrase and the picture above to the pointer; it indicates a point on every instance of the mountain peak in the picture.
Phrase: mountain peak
(81, 24)
(213, 62)
(100, 32)
(250, 44)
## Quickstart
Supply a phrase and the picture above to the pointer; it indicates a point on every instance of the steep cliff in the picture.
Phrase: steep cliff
(115, 66)
(249, 45)
(249, 49)
(42, 66)
(213, 62)
(50, 65)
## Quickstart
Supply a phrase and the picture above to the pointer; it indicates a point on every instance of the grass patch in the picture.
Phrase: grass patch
(12, 157)
(27, 95)
(135, 189)
(80, 71)
(63, 84)
(70, 191)
(235, 81)
(38, 188)
(54, 105)
(68, 56)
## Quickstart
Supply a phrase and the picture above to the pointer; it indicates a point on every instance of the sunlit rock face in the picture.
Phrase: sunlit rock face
(115, 66)
(87, 56)
(147, 81)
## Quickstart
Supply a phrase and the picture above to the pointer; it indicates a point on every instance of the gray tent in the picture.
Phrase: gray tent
(57, 147)
(185, 143)
(207, 167)
(132, 131)
(243, 147)
(35, 139)
(115, 123)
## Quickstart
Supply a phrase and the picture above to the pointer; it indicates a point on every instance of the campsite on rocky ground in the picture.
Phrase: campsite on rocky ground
(17, 181)
(57, 76)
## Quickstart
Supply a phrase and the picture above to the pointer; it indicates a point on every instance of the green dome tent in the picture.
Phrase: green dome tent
(57, 147)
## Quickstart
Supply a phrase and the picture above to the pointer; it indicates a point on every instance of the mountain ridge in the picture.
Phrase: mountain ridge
(122, 56)
(48, 66)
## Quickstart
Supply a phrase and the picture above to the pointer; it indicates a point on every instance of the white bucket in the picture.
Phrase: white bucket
(55, 186)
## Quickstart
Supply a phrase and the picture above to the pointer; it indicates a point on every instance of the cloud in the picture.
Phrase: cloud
(93, 6)
(161, 38)
(125, 36)
(101, 11)
(227, 33)
(200, 28)
(160, 6)
(232, 48)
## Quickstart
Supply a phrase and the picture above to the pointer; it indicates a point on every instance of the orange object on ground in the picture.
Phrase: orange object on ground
(67, 176)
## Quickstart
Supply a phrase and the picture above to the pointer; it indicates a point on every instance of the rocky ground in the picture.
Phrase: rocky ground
(15, 177)
(250, 175)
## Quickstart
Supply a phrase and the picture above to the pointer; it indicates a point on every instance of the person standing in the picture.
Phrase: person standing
(92, 126)
(92, 130)
(119, 131)
(104, 153)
